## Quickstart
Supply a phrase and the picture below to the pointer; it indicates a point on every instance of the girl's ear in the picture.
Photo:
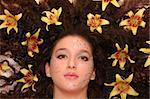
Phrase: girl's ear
(47, 70)
(93, 75)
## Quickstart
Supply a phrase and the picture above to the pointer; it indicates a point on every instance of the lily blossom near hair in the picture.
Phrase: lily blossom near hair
(134, 21)
(147, 51)
(52, 17)
(122, 87)
(121, 56)
(29, 79)
(106, 2)
(10, 21)
(95, 22)
(32, 43)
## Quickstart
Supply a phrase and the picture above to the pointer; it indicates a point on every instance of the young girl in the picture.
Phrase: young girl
(70, 57)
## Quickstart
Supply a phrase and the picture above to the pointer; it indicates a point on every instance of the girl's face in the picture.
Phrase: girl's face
(71, 66)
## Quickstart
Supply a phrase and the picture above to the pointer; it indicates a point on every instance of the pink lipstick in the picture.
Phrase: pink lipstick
(71, 76)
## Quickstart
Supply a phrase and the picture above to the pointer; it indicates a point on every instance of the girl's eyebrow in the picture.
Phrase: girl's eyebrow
(85, 51)
(80, 51)
(60, 49)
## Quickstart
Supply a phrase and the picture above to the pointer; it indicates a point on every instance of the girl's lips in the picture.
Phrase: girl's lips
(71, 76)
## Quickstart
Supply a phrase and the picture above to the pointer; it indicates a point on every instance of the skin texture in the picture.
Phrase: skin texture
(71, 55)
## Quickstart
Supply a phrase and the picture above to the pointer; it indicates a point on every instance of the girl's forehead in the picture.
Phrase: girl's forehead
(73, 41)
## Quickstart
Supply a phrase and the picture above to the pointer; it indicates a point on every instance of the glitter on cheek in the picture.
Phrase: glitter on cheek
(84, 82)
(85, 78)
(55, 66)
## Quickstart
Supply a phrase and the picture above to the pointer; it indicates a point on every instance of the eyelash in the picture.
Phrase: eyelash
(61, 56)
(84, 58)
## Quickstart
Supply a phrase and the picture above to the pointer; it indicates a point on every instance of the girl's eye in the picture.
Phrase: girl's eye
(84, 58)
(61, 56)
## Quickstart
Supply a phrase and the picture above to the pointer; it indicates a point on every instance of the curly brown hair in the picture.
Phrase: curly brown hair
(74, 19)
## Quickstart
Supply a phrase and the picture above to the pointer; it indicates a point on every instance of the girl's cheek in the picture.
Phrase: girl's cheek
(85, 79)
(55, 66)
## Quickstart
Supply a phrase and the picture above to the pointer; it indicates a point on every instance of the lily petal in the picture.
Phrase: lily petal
(45, 19)
(114, 92)
(30, 53)
(131, 61)
(25, 86)
(148, 42)
(2, 17)
(130, 13)
(134, 30)
(126, 48)
(35, 78)
(3, 25)
(58, 23)
(129, 79)
(36, 50)
(16, 29)
(8, 13)
(36, 35)
(41, 41)
(37, 1)
(47, 13)
(58, 12)
(112, 56)
(147, 63)
(24, 71)
(131, 91)
(54, 11)
(17, 17)
(5, 67)
(30, 66)
(123, 96)
(104, 4)
(47, 28)
(28, 34)
(33, 87)
(92, 29)
(21, 80)
(114, 62)
(118, 47)
(8, 29)
(104, 22)
(24, 43)
(140, 12)
(143, 24)
(99, 29)
(118, 78)
(124, 22)
(90, 16)
(114, 2)
(145, 50)
(111, 84)
(122, 63)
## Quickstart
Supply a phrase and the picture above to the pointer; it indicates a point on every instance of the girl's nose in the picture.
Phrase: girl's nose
(72, 63)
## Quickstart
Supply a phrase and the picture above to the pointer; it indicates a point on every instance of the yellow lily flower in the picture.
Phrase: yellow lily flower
(52, 17)
(106, 2)
(147, 51)
(122, 87)
(95, 22)
(29, 79)
(134, 21)
(32, 43)
(121, 56)
(4, 66)
(10, 21)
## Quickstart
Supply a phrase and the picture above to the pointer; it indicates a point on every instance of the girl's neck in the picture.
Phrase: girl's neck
(61, 94)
